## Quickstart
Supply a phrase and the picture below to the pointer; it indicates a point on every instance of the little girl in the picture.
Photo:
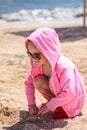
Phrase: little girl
(53, 75)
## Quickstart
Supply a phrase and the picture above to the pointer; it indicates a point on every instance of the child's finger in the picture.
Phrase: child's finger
(31, 111)
(35, 111)
(41, 112)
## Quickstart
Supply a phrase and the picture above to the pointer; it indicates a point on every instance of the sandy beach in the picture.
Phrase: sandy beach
(14, 67)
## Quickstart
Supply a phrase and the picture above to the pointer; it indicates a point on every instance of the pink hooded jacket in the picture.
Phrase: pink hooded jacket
(65, 79)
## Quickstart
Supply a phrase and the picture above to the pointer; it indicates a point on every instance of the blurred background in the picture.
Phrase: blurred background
(40, 11)
(18, 18)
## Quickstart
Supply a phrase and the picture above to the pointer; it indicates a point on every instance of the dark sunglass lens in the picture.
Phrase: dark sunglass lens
(36, 56)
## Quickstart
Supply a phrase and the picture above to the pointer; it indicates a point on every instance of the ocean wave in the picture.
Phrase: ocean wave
(41, 15)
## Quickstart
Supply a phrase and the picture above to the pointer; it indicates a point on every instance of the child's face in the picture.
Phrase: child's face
(36, 55)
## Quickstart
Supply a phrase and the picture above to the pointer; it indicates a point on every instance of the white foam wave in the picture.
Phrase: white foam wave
(41, 15)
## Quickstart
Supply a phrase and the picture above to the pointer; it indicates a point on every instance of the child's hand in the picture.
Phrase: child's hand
(33, 110)
(42, 111)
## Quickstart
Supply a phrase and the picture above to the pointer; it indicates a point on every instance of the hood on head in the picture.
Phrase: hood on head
(47, 42)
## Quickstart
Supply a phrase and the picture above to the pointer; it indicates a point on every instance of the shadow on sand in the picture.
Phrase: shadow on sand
(65, 34)
(28, 122)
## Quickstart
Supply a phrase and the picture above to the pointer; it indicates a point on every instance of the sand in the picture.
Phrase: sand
(14, 67)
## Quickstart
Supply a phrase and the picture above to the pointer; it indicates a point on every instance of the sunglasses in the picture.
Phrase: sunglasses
(35, 56)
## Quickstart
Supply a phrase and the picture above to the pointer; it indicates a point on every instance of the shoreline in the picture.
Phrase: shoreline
(43, 15)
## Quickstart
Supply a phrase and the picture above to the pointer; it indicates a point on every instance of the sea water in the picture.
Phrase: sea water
(40, 11)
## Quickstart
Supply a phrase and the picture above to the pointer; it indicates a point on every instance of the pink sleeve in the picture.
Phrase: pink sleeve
(71, 85)
(29, 88)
